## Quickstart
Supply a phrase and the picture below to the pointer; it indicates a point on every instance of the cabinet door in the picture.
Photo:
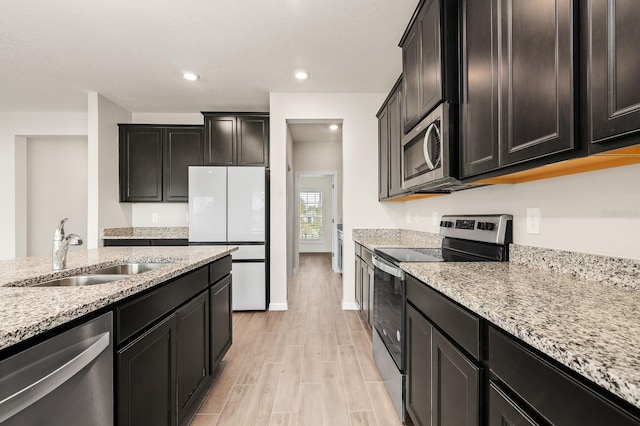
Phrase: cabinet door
(140, 163)
(146, 378)
(455, 385)
(253, 141)
(418, 347)
(395, 143)
(364, 273)
(614, 67)
(479, 75)
(358, 270)
(371, 276)
(219, 140)
(503, 411)
(430, 56)
(383, 154)
(183, 147)
(536, 89)
(221, 327)
(193, 351)
(411, 78)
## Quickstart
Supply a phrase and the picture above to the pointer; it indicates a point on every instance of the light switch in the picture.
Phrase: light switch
(154, 217)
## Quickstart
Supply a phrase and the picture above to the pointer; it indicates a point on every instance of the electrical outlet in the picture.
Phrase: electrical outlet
(435, 219)
(154, 217)
(533, 221)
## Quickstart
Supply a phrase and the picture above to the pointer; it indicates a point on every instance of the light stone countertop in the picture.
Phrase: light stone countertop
(146, 232)
(28, 311)
(375, 238)
(582, 310)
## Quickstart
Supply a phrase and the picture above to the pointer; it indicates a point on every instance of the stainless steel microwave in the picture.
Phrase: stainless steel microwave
(430, 155)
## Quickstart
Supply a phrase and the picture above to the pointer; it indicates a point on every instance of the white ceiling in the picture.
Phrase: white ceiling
(315, 131)
(134, 51)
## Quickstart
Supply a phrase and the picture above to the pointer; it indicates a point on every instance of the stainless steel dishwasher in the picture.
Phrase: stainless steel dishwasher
(66, 380)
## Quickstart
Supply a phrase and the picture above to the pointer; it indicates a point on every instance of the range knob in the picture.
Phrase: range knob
(446, 224)
(486, 226)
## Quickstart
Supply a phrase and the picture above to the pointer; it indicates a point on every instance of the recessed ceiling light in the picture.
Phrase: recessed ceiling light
(334, 127)
(301, 75)
(191, 76)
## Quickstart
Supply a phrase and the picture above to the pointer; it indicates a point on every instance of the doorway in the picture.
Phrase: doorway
(314, 169)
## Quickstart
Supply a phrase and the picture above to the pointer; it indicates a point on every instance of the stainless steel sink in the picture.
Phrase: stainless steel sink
(127, 269)
(81, 280)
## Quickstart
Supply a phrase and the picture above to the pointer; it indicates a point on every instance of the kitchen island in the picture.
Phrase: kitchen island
(574, 313)
(28, 311)
(167, 330)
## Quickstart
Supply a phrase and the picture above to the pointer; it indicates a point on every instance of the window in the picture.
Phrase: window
(310, 214)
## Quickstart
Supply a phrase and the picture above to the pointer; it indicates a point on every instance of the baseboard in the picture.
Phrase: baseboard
(278, 307)
(350, 306)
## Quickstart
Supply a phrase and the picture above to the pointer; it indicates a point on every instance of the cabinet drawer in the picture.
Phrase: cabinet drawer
(460, 325)
(555, 395)
(133, 316)
(219, 269)
(358, 250)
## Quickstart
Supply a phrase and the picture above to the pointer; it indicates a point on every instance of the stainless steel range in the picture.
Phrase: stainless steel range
(467, 238)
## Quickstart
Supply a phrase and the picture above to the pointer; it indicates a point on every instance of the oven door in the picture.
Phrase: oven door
(425, 150)
(388, 308)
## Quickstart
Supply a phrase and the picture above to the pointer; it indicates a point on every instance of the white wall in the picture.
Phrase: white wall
(596, 212)
(15, 127)
(45, 206)
(169, 214)
(105, 210)
(361, 208)
(320, 157)
(321, 184)
(292, 238)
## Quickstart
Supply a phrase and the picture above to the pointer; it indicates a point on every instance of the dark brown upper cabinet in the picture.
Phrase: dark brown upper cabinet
(517, 72)
(236, 140)
(182, 148)
(429, 59)
(610, 39)
(390, 144)
(155, 160)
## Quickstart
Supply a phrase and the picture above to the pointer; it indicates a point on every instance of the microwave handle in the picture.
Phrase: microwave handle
(425, 145)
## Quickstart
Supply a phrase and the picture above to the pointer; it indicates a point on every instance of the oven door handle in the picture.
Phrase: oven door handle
(389, 269)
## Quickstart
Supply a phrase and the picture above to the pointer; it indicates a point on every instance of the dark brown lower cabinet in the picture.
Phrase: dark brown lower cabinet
(170, 338)
(443, 385)
(503, 411)
(147, 377)
(418, 346)
(221, 327)
(192, 352)
(455, 385)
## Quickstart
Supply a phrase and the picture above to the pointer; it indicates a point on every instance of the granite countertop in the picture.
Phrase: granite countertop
(580, 309)
(144, 233)
(28, 311)
(374, 238)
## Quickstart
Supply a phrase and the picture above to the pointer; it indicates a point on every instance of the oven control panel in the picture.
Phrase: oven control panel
(495, 229)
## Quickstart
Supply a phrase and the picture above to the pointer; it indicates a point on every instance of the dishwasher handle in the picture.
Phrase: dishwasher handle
(389, 269)
(37, 390)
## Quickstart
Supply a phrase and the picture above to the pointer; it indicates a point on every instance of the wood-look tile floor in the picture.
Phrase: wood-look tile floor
(310, 365)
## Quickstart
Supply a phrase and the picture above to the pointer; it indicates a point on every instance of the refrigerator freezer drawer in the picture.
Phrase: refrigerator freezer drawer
(249, 253)
(249, 289)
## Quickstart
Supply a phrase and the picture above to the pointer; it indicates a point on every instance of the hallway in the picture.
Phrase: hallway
(310, 365)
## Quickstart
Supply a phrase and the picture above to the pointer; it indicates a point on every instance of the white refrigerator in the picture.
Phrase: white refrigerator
(227, 205)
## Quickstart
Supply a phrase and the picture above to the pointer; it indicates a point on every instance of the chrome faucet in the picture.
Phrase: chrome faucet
(61, 245)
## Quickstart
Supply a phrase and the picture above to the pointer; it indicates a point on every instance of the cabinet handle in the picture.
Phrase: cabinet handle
(37, 390)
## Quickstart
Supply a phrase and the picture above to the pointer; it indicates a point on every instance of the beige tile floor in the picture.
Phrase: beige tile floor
(310, 365)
